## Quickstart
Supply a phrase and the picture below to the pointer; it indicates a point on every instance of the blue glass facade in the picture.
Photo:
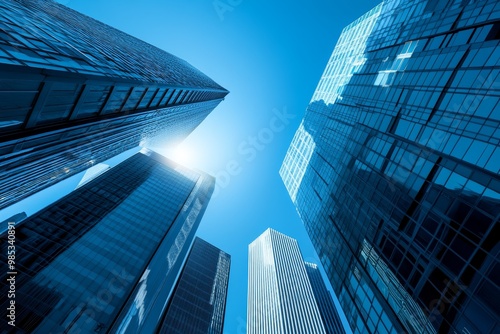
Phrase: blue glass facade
(75, 92)
(198, 303)
(395, 168)
(106, 256)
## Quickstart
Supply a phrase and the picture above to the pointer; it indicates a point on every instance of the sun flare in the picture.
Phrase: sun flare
(181, 155)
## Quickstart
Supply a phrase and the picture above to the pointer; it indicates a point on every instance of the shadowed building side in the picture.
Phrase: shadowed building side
(198, 303)
(106, 257)
(75, 92)
(324, 299)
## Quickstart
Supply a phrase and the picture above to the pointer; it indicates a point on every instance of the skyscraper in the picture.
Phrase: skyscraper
(106, 257)
(75, 92)
(394, 168)
(281, 298)
(198, 303)
(324, 299)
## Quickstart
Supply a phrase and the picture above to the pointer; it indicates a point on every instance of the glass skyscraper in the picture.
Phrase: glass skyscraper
(75, 92)
(394, 169)
(106, 257)
(284, 297)
(198, 303)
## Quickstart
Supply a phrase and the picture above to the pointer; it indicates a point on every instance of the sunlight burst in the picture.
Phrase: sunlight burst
(181, 155)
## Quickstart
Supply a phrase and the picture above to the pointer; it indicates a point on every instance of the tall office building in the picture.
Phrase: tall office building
(394, 169)
(324, 299)
(75, 92)
(105, 258)
(281, 297)
(198, 303)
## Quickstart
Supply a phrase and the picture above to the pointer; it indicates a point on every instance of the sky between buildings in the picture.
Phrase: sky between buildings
(270, 55)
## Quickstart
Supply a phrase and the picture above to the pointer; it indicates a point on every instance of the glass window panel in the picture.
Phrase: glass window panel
(475, 151)
(494, 162)
(435, 42)
(461, 147)
(474, 187)
(494, 58)
(461, 37)
(482, 56)
(455, 182)
(486, 106)
(469, 79)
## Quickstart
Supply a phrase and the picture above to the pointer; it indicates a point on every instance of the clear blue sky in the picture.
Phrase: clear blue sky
(270, 55)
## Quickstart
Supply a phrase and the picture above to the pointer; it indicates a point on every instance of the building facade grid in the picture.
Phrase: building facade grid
(75, 92)
(281, 296)
(83, 262)
(198, 303)
(401, 194)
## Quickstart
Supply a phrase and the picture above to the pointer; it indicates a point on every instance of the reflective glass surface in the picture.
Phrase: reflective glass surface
(198, 302)
(80, 260)
(75, 92)
(401, 193)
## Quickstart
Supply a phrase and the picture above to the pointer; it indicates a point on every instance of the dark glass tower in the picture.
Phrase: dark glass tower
(106, 256)
(198, 303)
(324, 299)
(395, 168)
(75, 92)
